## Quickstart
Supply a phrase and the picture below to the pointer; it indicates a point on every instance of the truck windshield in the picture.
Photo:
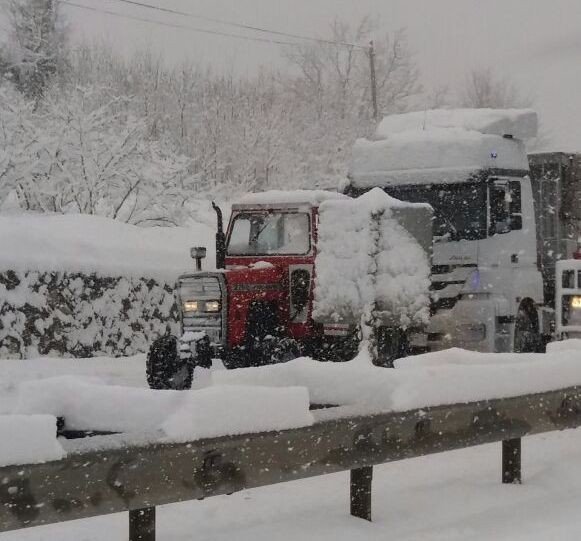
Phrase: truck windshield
(459, 209)
(270, 233)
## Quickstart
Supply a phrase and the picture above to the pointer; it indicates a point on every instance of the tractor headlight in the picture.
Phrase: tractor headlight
(212, 306)
(190, 306)
(201, 306)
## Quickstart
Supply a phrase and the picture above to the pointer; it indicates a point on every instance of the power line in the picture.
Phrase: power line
(240, 25)
(176, 25)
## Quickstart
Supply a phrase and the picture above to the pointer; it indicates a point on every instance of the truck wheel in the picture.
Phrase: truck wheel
(164, 368)
(526, 333)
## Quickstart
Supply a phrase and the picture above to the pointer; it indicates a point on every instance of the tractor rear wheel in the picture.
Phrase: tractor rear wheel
(164, 368)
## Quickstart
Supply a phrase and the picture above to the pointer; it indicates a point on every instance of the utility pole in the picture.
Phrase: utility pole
(373, 80)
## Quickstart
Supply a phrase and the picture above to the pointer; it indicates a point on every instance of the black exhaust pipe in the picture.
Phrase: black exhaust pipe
(220, 239)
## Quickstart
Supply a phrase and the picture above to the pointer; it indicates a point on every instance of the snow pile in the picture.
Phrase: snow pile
(216, 411)
(94, 244)
(28, 439)
(87, 404)
(442, 146)
(572, 344)
(426, 380)
(520, 123)
(367, 261)
(295, 197)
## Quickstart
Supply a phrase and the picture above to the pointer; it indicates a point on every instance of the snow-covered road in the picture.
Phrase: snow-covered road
(451, 496)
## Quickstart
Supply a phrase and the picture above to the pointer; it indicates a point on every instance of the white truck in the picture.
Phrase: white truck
(501, 219)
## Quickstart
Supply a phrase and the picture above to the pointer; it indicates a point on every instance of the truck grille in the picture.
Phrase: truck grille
(447, 282)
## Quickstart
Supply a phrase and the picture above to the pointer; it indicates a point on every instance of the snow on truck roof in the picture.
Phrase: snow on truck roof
(442, 146)
(520, 123)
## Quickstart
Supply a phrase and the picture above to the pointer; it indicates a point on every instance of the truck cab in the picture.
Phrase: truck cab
(471, 167)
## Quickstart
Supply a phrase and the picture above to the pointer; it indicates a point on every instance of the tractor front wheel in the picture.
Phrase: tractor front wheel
(164, 368)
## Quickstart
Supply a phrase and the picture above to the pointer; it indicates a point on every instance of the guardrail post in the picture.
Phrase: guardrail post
(511, 461)
(142, 524)
(361, 492)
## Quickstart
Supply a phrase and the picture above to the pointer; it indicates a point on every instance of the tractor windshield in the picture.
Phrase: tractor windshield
(270, 233)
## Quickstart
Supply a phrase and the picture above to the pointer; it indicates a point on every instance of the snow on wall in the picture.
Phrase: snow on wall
(82, 315)
(79, 285)
(93, 244)
(364, 258)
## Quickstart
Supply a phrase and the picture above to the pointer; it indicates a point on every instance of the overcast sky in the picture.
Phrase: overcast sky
(535, 42)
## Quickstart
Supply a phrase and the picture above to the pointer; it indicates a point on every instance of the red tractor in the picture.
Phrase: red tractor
(257, 307)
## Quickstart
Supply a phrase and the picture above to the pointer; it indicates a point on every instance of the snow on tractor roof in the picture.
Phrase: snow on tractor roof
(442, 146)
(290, 197)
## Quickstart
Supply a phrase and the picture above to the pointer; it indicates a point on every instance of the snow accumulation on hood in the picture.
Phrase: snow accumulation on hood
(81, 243)
(280, 197)
(442, 146)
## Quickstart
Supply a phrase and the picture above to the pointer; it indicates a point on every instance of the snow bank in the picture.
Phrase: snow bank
(216, 411)
(311, 197)
(520, 123)
(88, 405)
(572, 344)
(28, 439)
(94, 244)
(447, 377)
(364, 256)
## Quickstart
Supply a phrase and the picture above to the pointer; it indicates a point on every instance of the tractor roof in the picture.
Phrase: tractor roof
(283, 199)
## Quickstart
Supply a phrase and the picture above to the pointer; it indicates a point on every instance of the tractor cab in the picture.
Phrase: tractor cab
(256, 307)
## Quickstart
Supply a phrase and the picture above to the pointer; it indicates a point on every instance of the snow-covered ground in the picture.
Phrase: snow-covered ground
(452, 496)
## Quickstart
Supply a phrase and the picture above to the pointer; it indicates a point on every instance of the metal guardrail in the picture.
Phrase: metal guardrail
(139, 477)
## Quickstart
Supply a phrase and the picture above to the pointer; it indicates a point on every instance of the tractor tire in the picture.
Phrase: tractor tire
(527, 338)
(164, 368)
(279, 350)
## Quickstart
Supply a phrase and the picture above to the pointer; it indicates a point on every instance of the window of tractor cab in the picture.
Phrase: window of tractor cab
(270, 233)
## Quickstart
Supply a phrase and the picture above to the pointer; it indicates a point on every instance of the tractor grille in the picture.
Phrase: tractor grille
(204, 287)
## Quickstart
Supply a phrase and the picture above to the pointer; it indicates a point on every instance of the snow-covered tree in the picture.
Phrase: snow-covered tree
(36, 45)
(76, 155)
(484, 88)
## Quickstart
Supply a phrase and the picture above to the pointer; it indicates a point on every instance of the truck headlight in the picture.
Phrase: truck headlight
(212, 306)
(190, 306)
(576, 302)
